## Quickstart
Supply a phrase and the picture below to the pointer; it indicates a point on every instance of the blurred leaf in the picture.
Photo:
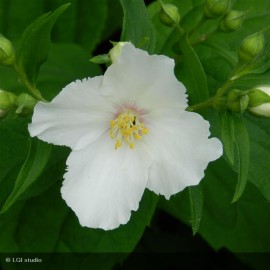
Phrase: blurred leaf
(196, 206)
(35, 43)
(66, 63)
(224, 224)
(259, 169)
(137, 25)
(45, 224)
(122, 239)
(14, 17)
(242, 146)
(227, 135)
(114, 21)
(91, 22)
(13, 145)
(38, 156)
(191, 73)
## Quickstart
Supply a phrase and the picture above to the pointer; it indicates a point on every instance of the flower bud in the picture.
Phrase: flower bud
(7, 53)
(232, 21)
(216, 8)
(251, 47)
(237, 101)
(259, 101)
(25, 104)
(116, 51)
(169, 14)
(7, 102)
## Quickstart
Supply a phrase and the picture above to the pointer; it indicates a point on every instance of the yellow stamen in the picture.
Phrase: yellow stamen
(125, 128)
(118, 144)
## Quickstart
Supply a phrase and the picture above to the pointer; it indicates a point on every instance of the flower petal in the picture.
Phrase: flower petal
(145, 80)
(75, 118)
(103, 185)
(181, 151)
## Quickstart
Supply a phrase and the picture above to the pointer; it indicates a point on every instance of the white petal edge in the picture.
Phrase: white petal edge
(181, 151)
(103, 185)
(145, 80)
(79, 112)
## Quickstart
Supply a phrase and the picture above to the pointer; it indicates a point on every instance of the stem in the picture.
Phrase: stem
(214, 101)
(202, 37)
(179, 30)
(31, 88)
(205, 104)
(222, 91)
(200, 22)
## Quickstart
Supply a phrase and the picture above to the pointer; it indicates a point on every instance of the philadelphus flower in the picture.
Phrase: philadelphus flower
(128, 130)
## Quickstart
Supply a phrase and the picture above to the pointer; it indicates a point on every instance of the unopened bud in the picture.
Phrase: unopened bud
(232, 21)
(7, 102)
(259, 101)
(7, 53)
(116, 51)
(169, 14)
(251, 47)
(216, 8)
(237, 101)
(25, 104)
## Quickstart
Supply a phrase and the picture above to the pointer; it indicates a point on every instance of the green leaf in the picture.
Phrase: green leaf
(38, 157)
(242, 146)
(191, 73)
(13, 18)
(224, 224)
(45, 224)
(66, 63)
(227, 135)
(196, 206)
(137, 25)
(100, 59)
(259, 169)
(121, 239)
(35, 44)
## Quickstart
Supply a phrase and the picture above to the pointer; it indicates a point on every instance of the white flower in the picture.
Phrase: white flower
(128, 130)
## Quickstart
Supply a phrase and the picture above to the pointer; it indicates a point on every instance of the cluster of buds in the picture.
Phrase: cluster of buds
(231, 20)
(22, 104)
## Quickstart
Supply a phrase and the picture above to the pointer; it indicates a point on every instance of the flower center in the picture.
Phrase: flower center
(127, 127)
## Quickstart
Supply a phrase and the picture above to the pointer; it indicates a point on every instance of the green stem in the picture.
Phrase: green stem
(200, 22)
(214, 101)
(31, 88)
(202, 37)
(179, 30)
(222, 91)
(203, 105)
